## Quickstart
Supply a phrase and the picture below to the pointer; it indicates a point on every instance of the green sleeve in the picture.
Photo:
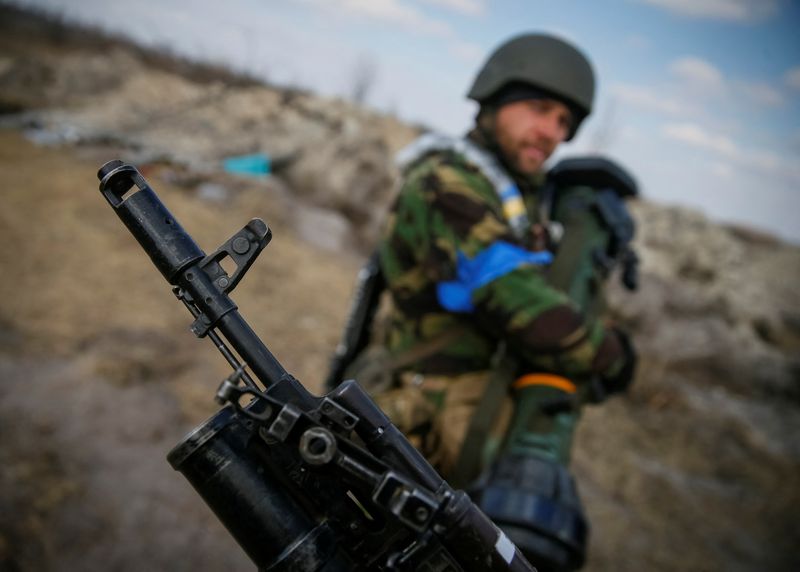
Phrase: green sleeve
(445, 209)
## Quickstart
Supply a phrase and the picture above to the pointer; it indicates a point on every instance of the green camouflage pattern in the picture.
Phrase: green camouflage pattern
(447, 206)
(574, 271)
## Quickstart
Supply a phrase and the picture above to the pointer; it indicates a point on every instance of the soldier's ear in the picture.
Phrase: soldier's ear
(486, 119)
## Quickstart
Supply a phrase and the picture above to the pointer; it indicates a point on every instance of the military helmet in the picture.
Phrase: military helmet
(544, 62)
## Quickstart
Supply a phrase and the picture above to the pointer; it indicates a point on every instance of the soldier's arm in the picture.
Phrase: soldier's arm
(482, 272)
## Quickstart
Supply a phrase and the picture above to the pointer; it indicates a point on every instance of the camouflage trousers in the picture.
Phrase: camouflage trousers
(435, 413)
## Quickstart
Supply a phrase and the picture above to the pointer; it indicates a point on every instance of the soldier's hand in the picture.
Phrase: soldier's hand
(621, 381)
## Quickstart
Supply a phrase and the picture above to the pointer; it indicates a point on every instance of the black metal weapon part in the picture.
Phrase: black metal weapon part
(301, 482)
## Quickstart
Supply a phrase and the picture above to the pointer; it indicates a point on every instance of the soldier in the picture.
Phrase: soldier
(495, 272)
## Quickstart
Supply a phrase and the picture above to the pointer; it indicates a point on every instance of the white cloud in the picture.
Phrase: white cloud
(471, 7)
(396, 12)
(702, 79)
(763, 161)
(794, 141)
(399, 13)
(722, 170)
(767, 161)
(696, 136)
(630, 133)
(731, 10)
(697, 74)
(762, 93)
(638, 41)
(792, 78)
(393, 12)
(696, 84)
(467, 52)
(648, 99)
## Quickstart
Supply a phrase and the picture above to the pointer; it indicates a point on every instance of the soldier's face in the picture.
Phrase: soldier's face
(529, 131)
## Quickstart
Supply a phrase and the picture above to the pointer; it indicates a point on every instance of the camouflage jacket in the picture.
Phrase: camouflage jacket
(447, 229)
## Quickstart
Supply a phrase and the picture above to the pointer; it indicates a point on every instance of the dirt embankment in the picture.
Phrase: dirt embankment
(101, 376)
(696, 468)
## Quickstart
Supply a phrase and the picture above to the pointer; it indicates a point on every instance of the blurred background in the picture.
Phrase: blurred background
(696, 468)
(701, 96)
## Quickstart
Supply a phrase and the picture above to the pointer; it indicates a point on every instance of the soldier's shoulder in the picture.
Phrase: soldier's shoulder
(447, 171)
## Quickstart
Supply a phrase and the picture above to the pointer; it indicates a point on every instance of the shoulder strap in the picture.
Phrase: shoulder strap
(424, 349)
(471, 456)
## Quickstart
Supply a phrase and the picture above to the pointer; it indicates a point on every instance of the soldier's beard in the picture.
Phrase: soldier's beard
(525, 156)
(529, 157)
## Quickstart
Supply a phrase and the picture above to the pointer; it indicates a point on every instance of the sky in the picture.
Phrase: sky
(698, 99)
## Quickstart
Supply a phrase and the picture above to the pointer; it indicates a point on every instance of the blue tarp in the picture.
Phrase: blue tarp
(257, 164)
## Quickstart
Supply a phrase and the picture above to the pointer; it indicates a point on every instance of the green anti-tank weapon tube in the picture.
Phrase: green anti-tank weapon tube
(303, 483)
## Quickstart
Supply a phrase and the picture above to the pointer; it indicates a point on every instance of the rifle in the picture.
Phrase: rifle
(370, 284)
(302, 483)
